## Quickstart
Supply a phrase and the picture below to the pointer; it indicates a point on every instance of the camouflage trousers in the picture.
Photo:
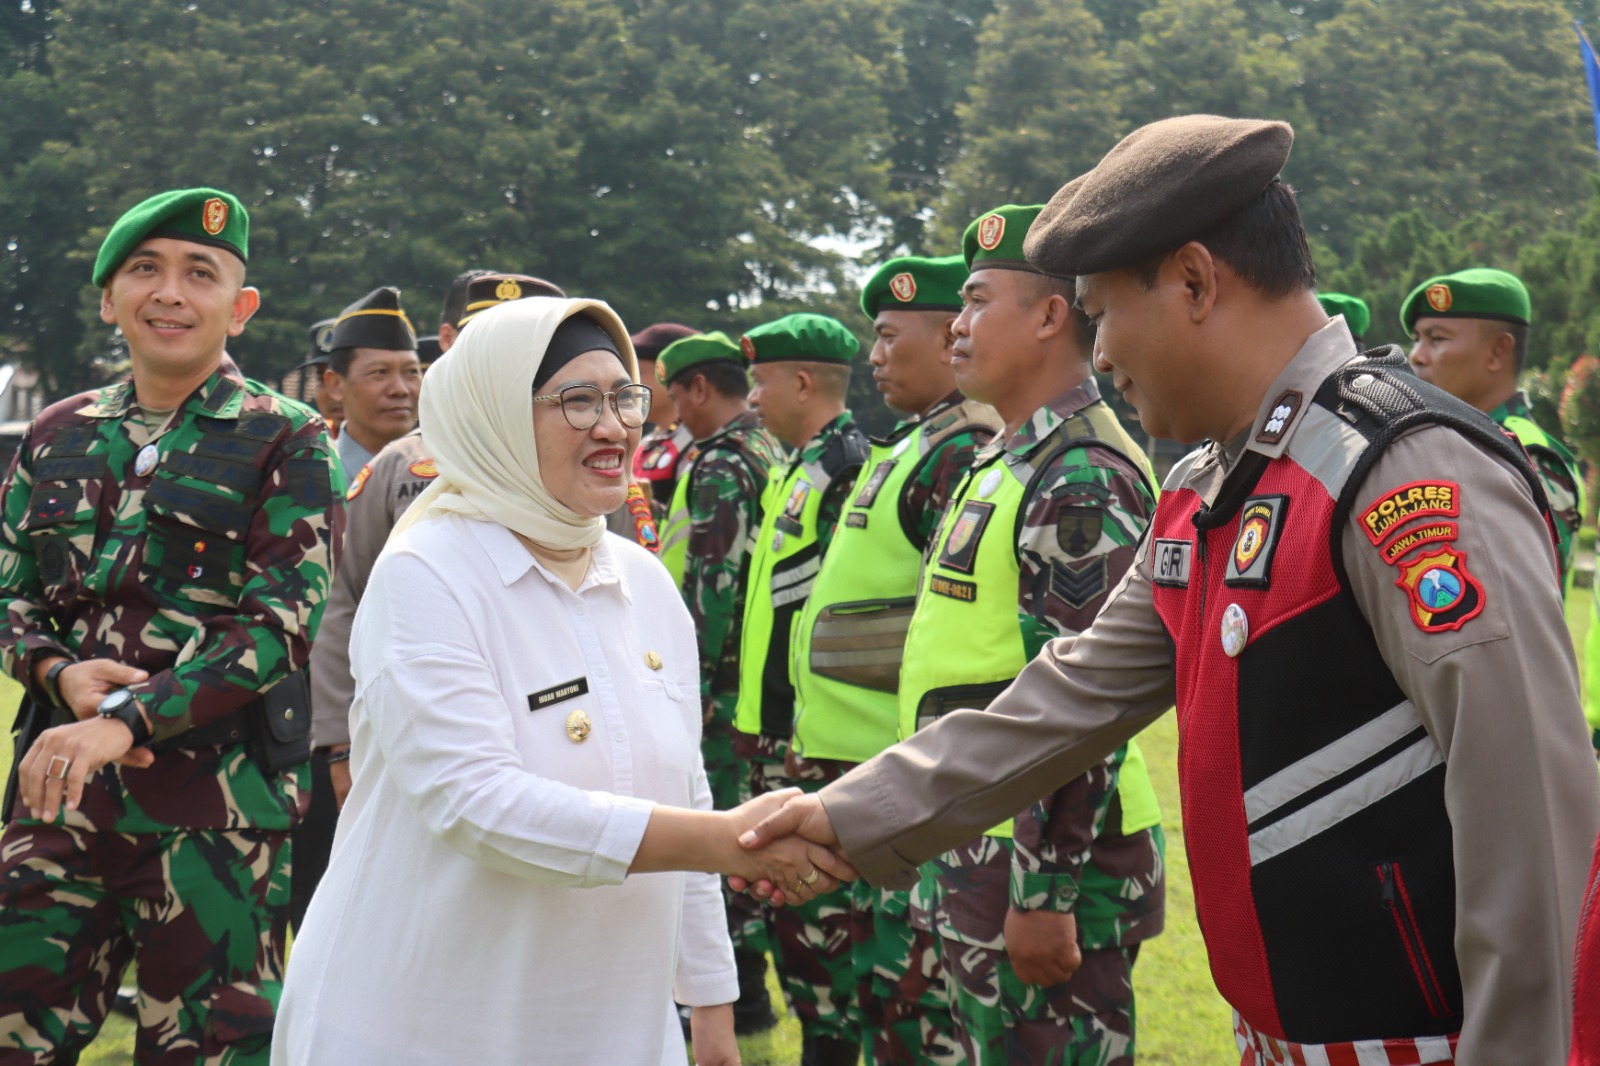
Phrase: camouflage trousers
(747, 923)
(202, 912)
(900, 983)
(1087, 1021)
(811, 941)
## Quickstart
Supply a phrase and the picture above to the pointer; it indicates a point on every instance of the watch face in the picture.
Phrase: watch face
(115, 702)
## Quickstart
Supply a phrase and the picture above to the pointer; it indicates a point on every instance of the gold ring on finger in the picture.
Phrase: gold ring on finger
(66, 765)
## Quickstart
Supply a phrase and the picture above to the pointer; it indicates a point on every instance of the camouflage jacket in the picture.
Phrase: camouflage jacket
(658, 463)
(208, 570)
(933, 482)
(1558, 471)
(1085, 516)
(726, 473)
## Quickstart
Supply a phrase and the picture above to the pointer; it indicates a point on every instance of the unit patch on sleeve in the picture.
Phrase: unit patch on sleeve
(961, 547)
(1443, 595)
(1260, 523)
(1078, 528)
(1169, 563)
(359, 483)
(1420, 499)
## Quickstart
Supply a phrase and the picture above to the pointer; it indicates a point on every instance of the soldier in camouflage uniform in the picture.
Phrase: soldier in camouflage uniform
(659, 461)
(852, 631)
(165, 553)
(711, 525)
(800, 366)
(1471, 339)
(1039, 919)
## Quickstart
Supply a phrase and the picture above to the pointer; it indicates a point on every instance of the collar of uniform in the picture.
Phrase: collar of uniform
(1284, 406)
(744, 420)
(1047, 419)
(511, 560)
(814, 447)
(113, 401)
(1517, 404)
(904, 427)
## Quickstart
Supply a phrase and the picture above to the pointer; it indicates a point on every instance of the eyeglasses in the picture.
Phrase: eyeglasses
(581, 404)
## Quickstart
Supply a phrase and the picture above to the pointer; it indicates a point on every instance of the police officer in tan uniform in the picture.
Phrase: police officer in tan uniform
(1389, 845)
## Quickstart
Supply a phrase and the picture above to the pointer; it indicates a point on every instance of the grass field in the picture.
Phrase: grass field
(1182, 1020)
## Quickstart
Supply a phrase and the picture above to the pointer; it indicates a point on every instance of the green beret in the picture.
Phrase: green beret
(994, 240)
(697, 350)
(1164, 185)
(914, 283)
(204, 216)
(804, 338)
(374, 321)
(486, 290)
(1481, 292)
(1357, 315)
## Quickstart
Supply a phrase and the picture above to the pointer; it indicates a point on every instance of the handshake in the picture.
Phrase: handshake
(789, 851)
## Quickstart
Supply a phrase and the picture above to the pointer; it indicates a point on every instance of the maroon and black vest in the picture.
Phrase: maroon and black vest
(1313, 798)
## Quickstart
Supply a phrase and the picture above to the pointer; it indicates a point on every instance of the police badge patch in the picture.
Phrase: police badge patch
(1442, 594)
(1260, 524)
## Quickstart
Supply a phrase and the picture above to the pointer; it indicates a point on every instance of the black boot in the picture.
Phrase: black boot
(753, 1011)
(828, 1051)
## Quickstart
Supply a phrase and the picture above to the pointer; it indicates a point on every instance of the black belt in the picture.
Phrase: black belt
(233, 728)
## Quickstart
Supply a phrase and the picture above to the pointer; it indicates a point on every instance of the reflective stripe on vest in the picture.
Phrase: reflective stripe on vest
(1533, 438)
(783, 565)
(868, 577)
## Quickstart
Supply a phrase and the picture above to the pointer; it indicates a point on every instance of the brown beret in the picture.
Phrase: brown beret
(1165, 184)
(649, 342)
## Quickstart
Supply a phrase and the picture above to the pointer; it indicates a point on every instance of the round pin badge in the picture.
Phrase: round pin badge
(777, 541)
(900, 449)
(578, 727)
(146, 460)
(1235, 630)
(990, 482)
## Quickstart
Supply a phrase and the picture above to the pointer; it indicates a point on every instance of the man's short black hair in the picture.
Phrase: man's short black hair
(339, 361)
(1265, 244)
(728, 379)
(1047, 285)
(455, 298)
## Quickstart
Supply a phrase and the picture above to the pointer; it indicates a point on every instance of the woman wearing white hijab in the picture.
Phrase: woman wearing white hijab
(526, 748)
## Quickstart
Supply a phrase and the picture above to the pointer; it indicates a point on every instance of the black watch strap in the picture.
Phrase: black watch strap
(52, 680)
(127, 712)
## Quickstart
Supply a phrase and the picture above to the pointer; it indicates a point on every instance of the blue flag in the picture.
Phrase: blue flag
(1591, 74)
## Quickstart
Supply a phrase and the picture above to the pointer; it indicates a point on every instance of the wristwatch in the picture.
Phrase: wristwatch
(122, 706)
(52, 680)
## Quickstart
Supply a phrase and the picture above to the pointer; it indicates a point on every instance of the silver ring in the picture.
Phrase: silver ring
(812, 879)
(66, 764)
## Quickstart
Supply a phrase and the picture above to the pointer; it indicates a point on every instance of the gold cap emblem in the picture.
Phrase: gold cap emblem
(904, 287)
(214, 215)
(652, 660)
(991, 231)
(748, 346)
(508, 289)
(1439, 297)
(578, 727)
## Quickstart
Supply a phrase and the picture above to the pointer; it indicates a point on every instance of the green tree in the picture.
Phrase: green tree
(1043, 108)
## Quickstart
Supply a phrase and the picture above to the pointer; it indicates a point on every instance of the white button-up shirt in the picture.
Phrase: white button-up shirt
(477, 908)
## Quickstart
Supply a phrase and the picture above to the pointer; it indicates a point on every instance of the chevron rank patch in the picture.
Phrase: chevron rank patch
(1443, 595)
(1079, 583)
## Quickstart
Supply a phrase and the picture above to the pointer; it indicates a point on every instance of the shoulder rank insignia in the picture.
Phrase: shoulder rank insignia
(1443, 595)
(359, 483)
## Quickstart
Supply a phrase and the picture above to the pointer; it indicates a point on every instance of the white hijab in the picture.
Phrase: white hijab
(477, 423)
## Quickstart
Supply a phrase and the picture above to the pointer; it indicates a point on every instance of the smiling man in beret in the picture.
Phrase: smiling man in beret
(1349, 593)
(166, 546)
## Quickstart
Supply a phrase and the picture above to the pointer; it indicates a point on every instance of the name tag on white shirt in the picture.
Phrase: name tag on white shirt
(567, 690)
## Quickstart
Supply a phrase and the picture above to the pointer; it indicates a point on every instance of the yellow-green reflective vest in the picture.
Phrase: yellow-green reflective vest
(965, 645)
(1535, 439)
(675, 529)
(784, 562)
(849, 637)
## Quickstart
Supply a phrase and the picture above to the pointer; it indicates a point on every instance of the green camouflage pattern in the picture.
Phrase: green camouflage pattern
(811, 941)
(209, 572)
(203, 913)
(1086, 510)
(900, 983)
(1087, 1021)
(1563, 484)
